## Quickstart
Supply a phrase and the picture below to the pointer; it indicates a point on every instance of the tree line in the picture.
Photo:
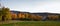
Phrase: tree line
(5, 14)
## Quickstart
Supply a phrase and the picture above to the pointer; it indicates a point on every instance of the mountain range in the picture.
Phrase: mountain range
(43, 14)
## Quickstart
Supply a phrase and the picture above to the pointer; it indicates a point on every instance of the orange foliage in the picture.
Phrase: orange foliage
(39, 17)
(21, 15)
(13, 15)
(53, 16)
(36, 17)
(26, 15)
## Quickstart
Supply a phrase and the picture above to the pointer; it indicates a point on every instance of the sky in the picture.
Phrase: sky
(32, 6)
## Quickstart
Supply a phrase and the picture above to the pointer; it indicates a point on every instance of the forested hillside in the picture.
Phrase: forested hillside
(7, 14)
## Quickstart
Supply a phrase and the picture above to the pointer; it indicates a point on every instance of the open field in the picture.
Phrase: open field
(31, 23)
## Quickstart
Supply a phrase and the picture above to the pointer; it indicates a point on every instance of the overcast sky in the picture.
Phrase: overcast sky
(33, 5)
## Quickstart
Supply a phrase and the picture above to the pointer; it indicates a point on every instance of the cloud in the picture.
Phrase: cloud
(34, 5)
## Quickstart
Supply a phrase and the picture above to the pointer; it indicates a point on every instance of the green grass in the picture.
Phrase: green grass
(34, 23)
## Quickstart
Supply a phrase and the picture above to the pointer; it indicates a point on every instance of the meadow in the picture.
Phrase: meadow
(33, 23)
